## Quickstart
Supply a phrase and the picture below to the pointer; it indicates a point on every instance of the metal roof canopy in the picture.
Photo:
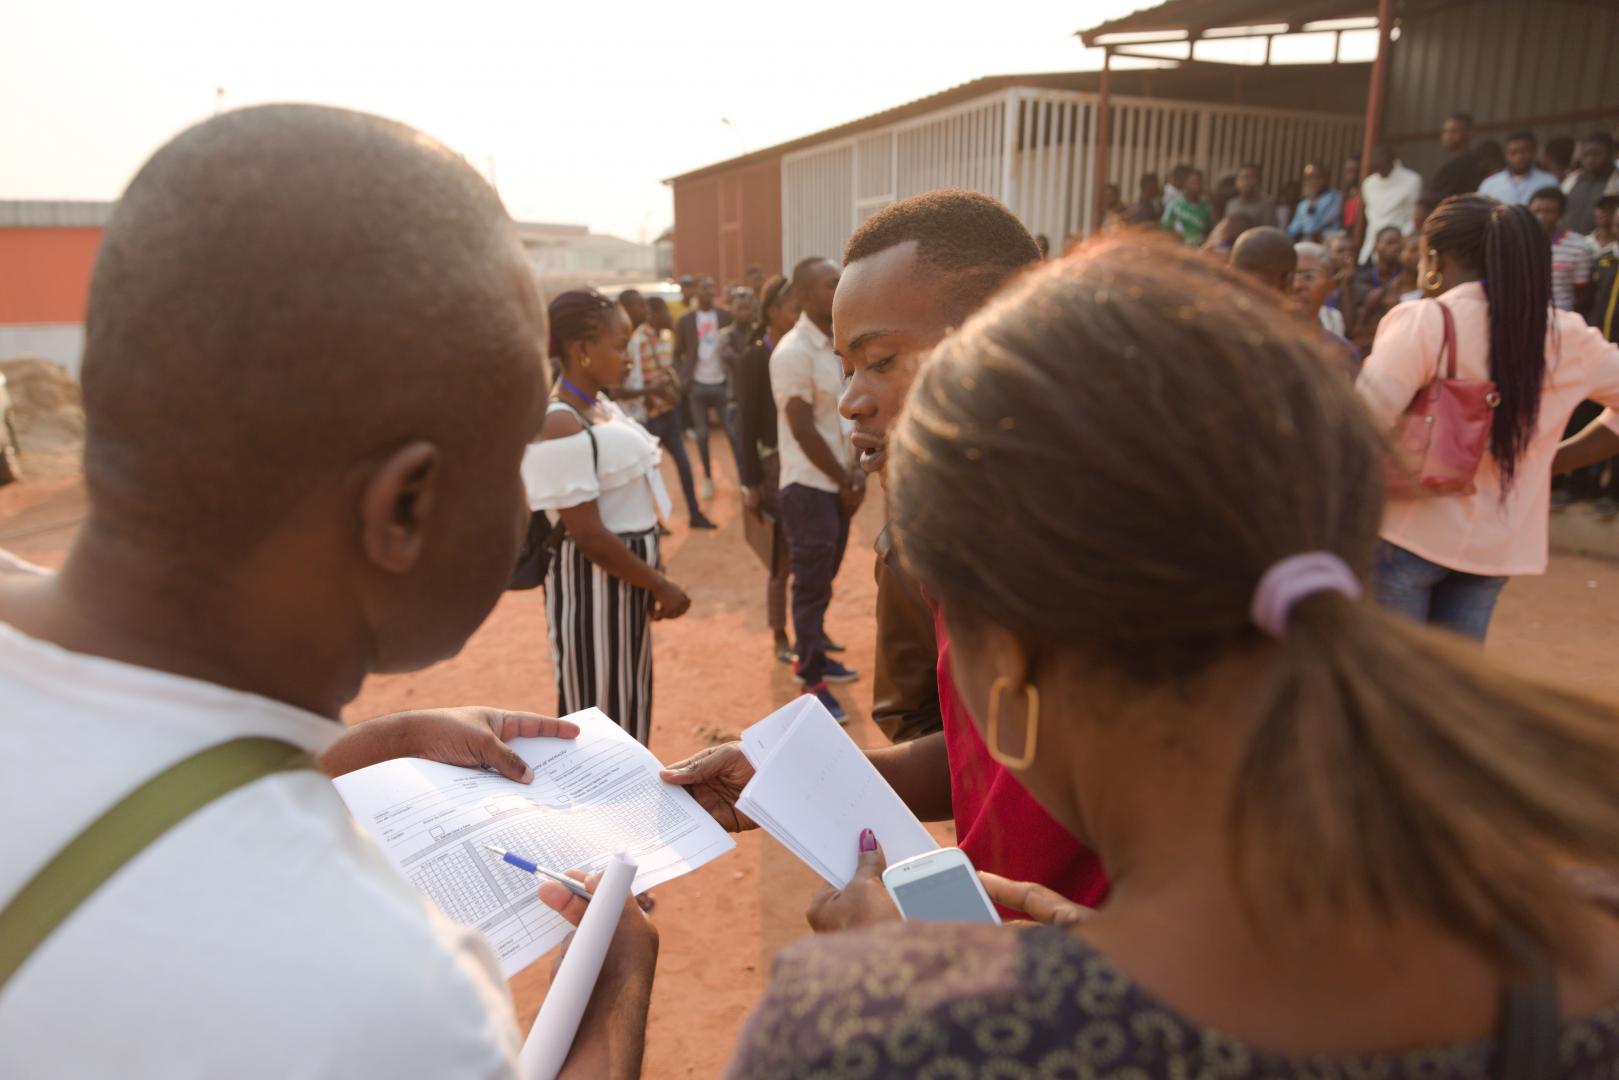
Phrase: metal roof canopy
(1190, 21)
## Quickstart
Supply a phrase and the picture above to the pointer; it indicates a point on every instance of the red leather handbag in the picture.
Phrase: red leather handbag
(1444, 432)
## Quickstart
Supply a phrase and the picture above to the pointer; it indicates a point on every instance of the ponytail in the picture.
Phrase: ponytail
(1508, 247)
(1391, 771)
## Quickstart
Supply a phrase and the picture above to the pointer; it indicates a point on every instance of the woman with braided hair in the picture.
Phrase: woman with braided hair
(596, 470)
(1444, 559)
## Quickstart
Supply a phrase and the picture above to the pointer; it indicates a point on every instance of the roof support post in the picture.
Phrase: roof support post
(1379, 86)
(1102, 136)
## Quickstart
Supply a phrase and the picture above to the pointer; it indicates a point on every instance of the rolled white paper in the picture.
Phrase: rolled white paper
(551, 1037)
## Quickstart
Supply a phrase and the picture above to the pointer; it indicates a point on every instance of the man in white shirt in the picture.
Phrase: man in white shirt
(697, 359)
(1522, 177)
(819, 488)
(273, 516)
(1389, 197)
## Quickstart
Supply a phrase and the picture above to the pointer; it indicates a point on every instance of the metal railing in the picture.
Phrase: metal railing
(1033, 150)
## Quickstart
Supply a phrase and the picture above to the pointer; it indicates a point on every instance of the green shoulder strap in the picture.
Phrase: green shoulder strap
(125, 830)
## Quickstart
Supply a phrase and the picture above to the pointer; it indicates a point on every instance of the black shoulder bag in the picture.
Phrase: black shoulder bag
(544, 538)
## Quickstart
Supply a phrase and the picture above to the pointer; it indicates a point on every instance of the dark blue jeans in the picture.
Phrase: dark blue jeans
(667, 429)
(817, 532)
(1437, 595)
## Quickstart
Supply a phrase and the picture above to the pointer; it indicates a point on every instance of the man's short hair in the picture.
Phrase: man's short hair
(1600, 137)
(1388, 229)
(1254, 165)
(971, 240)
(1522, 136)
(1608, 202)
(304, 224)
(1553, 192)
(1462, 118)
(804, 266)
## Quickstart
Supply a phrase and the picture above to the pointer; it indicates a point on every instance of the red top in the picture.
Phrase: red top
(1352, 209)
(998, 823)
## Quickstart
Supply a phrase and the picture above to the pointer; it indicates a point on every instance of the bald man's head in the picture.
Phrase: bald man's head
(285, 298)
(1266, 253)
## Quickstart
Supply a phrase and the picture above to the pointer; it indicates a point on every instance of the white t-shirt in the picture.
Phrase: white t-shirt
(1389, 200)
(264, 936)
(620, 476)
(1331, 319)
(709, 370)
(805, 367)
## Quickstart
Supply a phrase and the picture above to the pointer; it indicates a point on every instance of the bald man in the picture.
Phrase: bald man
(1266, 254)
(312, 365)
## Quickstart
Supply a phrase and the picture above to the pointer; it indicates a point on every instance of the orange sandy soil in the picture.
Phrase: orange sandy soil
(715, 675)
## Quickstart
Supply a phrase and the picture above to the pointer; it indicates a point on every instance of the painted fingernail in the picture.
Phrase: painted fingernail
(868, 840)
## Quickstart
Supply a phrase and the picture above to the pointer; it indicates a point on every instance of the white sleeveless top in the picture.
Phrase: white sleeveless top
(624, 481)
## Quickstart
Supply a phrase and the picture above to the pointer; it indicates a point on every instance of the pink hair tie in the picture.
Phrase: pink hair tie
(1292, 579)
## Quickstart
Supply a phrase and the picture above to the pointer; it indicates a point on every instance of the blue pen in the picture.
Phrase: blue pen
(534, 868)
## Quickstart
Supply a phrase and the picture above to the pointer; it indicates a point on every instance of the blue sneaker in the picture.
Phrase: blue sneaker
(836, 672)
(824, 696)
(831, 672)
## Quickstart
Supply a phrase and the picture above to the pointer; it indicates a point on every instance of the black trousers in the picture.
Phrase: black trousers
(817, 534)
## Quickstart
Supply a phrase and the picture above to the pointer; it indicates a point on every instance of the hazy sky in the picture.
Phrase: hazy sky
(583, 107)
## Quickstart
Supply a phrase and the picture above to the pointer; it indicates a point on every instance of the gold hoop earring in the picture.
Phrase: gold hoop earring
(992, 738)
(1433, 281)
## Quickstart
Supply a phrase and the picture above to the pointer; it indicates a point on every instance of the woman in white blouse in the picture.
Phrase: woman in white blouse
(596, 470)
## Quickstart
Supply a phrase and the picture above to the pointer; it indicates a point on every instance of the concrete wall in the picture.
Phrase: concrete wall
(60, 343)
(44, 285)
(45, 273)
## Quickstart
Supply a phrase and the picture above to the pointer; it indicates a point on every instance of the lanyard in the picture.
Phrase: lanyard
(580, 394)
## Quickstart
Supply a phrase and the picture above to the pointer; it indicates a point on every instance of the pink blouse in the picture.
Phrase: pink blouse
(1488, 532)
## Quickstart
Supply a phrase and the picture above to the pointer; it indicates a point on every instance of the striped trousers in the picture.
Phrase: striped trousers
(601, 637)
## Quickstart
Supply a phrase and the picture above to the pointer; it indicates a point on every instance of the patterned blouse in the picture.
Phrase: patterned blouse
(948, 1002)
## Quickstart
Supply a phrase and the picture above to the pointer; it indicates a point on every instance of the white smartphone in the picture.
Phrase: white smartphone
(940, 886)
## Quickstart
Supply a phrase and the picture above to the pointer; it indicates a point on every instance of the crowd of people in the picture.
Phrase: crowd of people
(1371, 228)
(1254, 823)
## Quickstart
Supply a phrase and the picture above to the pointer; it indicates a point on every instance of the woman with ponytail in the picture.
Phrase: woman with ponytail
(1444, 559)
(596, 472)
(1339, 845)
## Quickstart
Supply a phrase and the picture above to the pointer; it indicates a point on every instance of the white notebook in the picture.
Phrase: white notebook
(813, 790)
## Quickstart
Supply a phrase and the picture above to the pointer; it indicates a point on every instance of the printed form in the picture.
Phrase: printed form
(592, 798)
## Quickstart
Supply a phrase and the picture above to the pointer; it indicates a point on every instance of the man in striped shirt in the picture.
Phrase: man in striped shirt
(1571, 252)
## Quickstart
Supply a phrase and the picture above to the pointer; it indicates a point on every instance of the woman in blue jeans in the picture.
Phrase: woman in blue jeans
(1444, 559)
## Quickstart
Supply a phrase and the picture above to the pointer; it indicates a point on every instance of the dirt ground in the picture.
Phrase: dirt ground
(715, 674)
